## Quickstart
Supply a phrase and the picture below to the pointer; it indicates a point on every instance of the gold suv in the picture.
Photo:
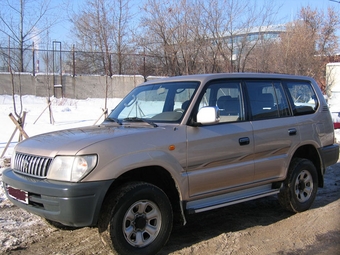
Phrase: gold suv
(178, 146)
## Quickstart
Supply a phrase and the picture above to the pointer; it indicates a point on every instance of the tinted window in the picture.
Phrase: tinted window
(267, 100)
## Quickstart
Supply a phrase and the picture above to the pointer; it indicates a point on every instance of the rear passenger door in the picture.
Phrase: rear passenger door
(275, 130)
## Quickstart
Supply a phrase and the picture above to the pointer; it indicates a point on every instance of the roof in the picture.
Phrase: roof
(207, 77)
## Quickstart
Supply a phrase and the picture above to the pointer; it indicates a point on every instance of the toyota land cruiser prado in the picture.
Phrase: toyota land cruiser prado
(178, 146)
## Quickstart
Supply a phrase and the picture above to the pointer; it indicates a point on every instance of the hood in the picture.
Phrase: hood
(71, 141)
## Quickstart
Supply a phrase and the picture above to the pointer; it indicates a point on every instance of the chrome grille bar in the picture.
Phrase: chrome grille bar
(32, 165)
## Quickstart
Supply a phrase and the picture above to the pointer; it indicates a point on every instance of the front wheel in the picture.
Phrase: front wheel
(300, 187)
(136, 219)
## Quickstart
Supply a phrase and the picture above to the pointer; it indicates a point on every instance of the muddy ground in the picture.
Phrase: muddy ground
(255, 227)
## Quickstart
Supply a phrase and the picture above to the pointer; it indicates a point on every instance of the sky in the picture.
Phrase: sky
(62, 31)
(287, 12)
(291, 7)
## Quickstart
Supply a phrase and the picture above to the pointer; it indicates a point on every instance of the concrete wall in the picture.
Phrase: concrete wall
(79, 87)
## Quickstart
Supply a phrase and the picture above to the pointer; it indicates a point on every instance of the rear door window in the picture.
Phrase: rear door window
(267, 99)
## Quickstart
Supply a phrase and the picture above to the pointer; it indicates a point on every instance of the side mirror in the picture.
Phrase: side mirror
(208, 115)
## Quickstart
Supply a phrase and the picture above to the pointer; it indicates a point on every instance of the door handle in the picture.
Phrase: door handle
(292, 131)
(244, 141)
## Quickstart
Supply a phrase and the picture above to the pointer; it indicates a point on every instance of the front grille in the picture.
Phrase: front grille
(32, 165)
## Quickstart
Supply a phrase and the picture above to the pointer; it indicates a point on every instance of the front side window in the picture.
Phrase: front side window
(227, 96)
(163, 102)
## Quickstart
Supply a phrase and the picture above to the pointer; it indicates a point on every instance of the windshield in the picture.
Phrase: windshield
(162, 102)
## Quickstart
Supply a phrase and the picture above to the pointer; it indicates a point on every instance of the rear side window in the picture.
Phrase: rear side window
(267, 100)
(303, 97)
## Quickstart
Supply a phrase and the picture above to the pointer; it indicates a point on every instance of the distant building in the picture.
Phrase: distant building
(247, 37)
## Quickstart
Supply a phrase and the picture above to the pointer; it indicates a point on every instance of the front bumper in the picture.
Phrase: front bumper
(71, 204)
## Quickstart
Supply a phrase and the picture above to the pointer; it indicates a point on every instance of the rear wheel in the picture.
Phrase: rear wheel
(136, 219)
(300, 187)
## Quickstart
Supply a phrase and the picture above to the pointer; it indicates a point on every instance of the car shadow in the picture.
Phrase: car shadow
(260, 212)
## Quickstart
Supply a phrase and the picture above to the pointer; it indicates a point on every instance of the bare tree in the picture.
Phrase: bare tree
(22, 21)
(93, 30)
(121, 20)
(102, 25)
(237, 28)
(159, 34)
(200, 36)
(307, 44)
(174, 32)
(323, 27)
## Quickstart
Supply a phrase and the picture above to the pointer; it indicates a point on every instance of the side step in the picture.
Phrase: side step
(236, 197)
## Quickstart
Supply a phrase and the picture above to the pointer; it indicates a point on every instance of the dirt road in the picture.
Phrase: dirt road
(256, 227)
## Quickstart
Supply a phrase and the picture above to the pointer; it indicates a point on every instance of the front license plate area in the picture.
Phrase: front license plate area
(17, 194)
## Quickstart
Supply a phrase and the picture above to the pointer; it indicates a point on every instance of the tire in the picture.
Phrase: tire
(136, 219)
(300, 187)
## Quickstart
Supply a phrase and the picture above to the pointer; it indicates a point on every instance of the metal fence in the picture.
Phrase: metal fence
(74, 62)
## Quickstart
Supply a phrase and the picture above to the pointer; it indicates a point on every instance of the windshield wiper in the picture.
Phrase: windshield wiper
(113, 120)
(136, 119)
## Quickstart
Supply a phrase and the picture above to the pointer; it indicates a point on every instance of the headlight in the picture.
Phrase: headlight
(71, 168)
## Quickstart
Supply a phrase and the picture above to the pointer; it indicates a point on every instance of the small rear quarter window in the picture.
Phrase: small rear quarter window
(302, 96)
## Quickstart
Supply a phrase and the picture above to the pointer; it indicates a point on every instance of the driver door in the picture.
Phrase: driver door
(220, 156)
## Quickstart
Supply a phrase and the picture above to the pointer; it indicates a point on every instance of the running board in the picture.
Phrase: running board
(236, 197)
